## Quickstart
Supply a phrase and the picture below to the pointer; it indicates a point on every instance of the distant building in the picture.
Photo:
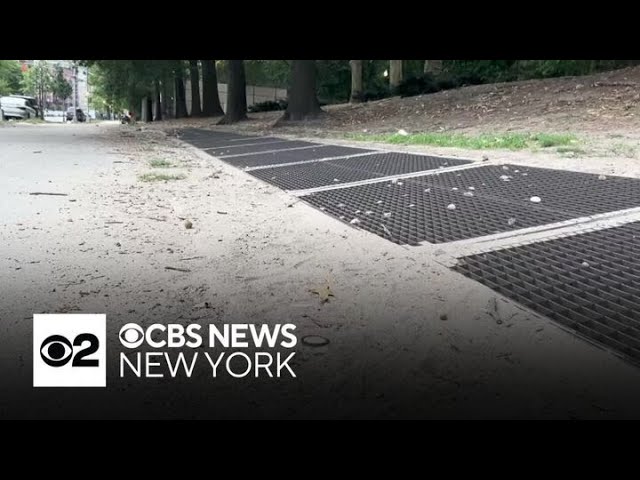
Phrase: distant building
(82, 84)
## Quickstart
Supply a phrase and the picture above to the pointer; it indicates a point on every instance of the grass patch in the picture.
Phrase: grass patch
(32, 120)
(508, 141)
(623, 150)
(571, 150)
(159, 163)
(160, 177)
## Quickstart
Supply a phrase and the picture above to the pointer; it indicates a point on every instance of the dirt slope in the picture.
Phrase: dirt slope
(607, 102)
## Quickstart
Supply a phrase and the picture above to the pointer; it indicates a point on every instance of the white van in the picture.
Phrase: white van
(16, 107)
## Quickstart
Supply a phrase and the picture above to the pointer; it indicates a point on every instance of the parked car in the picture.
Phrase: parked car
(79, 115)
(17, 108)
(31, 101)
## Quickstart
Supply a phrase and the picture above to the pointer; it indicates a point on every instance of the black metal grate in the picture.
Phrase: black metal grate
(409, 213)
(207, 138)
(258, 147)
(275, 158)
(343, 170)
(589, 282)
(575, 193)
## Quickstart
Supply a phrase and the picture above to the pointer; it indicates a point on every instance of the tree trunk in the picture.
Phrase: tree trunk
(433, 67)
(303, 99)
(356, 81)
(210, 98)
(196, 111)
(144, 117)
(157, 110)
(181, 100)
(395, 74)
(167, 99)
(236, 94)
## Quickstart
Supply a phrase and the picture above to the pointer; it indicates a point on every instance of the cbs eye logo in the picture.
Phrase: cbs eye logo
(131, 335)
(56, 351)
(69, 350)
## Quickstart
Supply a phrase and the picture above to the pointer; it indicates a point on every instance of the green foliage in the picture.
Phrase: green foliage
(38, 79)
(268, 106)
(60, 87)
(509, 141)
(333, 80)
(10, 77)
(160, 177)
(160, 163)
(473, 72)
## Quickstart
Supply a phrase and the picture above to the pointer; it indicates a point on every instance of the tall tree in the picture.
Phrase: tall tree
(356, 81)
(157, 102)
(60, 87)
(303, 99)
(10, 77)
(181, 98)
(37, 81)
(236, 94)
(194, 72)
(395, 74)
(210, 98)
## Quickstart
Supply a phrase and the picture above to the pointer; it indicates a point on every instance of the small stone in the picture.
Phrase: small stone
(511, 221)
(602, 177)
(188, 225)
(468, 194)
(387, 214)
(403, 132)
(355, 221)
(535, 199)
(471, 188)
(451, 206)
(585, 264)
(443, 317)
(485, 158)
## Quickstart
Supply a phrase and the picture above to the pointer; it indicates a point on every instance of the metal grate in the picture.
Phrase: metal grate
(344, 170)
(410, 213)
(275, 158)
(589, 283)
(559, 190)
(207, 138)
(258, 147)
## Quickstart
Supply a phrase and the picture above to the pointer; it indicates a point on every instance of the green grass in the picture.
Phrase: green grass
(159, 163)
(509, 141)
(623, 150)
(571, 150)
(32, 120)
(160, 177)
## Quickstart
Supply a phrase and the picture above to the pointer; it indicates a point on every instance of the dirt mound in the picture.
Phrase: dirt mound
(607, 102)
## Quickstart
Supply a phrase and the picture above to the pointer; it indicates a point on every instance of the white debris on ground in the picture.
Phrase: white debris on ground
(387, 214)
(505, 178)
(585, 264)
(602, 177)
(451, 206)
(403, 132)
(468, 194)
(535, 199)
(355, 221)
(511, 221)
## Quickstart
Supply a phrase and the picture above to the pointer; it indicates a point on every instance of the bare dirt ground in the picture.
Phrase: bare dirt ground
(408, 337)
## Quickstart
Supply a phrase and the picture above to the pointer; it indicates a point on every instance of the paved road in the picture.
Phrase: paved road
(46, 158)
